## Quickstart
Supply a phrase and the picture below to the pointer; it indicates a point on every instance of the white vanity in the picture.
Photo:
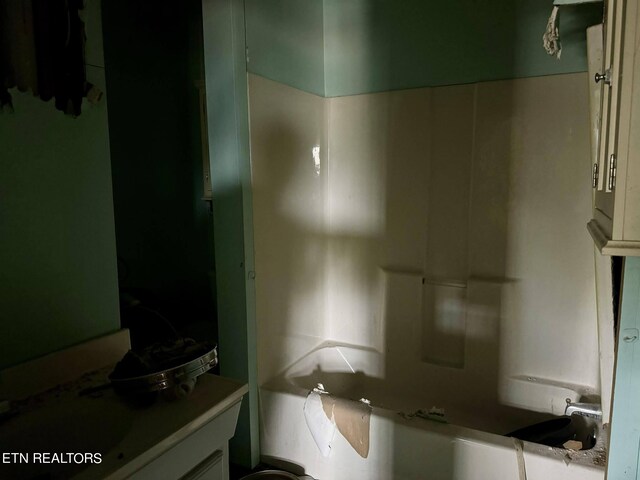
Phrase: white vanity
(62, 406)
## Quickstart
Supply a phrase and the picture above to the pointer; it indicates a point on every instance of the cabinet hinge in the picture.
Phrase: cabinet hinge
(594, 177)
(612, 171)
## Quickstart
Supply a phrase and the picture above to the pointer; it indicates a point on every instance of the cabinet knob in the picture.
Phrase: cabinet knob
(605, 77)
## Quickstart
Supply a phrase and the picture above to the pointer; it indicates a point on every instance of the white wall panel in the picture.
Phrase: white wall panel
(482, 188)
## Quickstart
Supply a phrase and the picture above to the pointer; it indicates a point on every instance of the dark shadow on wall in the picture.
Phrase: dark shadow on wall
(153, 58)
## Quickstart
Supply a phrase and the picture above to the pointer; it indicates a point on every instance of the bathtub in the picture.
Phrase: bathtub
(471, 446)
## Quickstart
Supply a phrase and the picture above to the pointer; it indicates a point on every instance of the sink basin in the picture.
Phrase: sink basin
(70, 425)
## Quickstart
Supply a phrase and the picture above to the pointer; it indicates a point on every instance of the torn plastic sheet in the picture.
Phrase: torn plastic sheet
(324, 413)
(322, 428)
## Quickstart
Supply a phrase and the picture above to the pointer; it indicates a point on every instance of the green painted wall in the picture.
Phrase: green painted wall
(384, 45)
(164, 228)
(57, 243)
(228, 132)
(378, 45)
(286, 41)
(624, 443)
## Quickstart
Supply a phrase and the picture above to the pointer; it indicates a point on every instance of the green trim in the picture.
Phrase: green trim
(624, 443)
(228, 131)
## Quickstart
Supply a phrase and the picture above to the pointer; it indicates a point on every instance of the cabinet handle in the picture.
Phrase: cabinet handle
(612, 171)
(594, 178)
(605, 77)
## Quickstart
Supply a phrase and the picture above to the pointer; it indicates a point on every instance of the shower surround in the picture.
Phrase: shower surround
(441, 228)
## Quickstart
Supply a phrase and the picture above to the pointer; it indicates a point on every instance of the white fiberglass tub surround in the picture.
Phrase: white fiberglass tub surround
(423, 228)
(469, 447)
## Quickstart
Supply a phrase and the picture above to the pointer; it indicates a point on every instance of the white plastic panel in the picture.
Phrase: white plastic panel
(475, 190)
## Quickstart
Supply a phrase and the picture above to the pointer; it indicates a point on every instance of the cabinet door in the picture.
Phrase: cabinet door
(604, 197)
(615, 226)
(595, 57)
(211, 468)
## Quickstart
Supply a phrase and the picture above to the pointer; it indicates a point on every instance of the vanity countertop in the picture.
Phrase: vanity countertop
(86, 416)
(155, 429)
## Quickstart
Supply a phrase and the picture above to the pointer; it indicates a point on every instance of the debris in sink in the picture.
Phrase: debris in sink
(572, 445)
(59, 392)
(95, 392)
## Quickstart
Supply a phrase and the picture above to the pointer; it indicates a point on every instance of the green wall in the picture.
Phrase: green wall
(624, 443)
(57, 244)
(286, 41)
(228, 132)
(363, 46)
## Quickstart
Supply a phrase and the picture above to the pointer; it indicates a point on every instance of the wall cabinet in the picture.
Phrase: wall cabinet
(615, 226)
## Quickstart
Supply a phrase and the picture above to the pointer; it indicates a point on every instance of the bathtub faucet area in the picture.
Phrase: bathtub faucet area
(593, 410)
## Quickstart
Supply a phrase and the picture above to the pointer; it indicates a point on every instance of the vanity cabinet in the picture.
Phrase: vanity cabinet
(185, 439)
(615, 226)
(202, 455)
(70, 409)
(193, 450)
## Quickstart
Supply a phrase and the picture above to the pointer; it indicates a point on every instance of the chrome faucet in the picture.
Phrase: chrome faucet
(592, 410)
